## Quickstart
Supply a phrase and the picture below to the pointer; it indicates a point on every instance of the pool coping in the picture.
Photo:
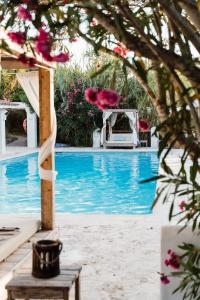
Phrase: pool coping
(15, 154)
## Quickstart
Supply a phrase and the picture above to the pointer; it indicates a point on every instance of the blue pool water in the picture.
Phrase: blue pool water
(105, 183)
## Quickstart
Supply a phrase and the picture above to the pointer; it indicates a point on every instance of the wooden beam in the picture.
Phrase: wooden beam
(13, 65)
(46, 97)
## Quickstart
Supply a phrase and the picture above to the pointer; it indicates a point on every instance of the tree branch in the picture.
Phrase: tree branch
(190, 6)
(182, 23)
(135, 44)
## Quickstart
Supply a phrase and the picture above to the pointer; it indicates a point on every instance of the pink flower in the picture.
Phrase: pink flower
(102, 98)
(43, 44)
(166, 262)
(17, 37)
(62, 57)
(91, 95)
(182, 205)
(30, 61)
(164, 279)
(143, 125)
(102, 106)
(173, 261)
(108, 97)
(24, 14)
(121, 50)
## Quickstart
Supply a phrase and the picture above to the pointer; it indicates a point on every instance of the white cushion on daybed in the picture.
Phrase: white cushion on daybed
(121, 137)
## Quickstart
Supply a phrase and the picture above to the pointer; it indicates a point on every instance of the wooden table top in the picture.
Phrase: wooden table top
(65, 280)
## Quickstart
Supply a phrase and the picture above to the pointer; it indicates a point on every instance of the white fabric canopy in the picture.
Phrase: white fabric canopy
(30, 84)
(133, 121)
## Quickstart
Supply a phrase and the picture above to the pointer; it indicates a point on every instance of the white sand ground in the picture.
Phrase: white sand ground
(120, 254)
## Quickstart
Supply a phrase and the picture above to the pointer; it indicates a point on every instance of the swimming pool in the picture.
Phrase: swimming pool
(98, 182)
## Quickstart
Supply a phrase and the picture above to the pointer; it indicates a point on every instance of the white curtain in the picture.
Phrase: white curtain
(106, 115)
(112, 121)
(133, 124)
(30, 84)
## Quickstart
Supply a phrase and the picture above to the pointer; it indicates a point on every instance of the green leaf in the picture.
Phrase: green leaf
(152, 179)
(193, 171)
(171, 211)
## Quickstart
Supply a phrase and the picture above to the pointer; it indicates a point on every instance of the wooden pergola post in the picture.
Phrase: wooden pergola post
(46, 99)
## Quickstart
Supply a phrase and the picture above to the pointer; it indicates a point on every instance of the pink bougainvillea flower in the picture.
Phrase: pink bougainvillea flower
(91, 95)
(102, 106)
(102, 98)
(164, 279)
(24, 14)
(17, 37)
(62, 57)
(143, 125)
(43, 44)
(121, 50)
(108, 97)
(30, 61)
(182, 205)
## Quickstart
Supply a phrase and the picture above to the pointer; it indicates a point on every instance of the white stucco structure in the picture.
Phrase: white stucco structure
(5, 106)
(154, 139)
(3, 116)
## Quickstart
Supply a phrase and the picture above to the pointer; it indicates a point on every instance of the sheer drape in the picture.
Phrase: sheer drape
(133, 124)
(113, 119)
(106, 115)
(30, 84)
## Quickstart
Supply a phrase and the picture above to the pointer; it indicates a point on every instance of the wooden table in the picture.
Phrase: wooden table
(25, 286)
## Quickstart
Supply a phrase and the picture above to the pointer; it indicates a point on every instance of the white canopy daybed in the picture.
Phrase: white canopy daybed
(119, 139)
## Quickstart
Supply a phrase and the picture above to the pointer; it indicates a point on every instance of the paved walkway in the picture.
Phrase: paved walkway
(21, 141)
(13, 152)
(16, 151)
